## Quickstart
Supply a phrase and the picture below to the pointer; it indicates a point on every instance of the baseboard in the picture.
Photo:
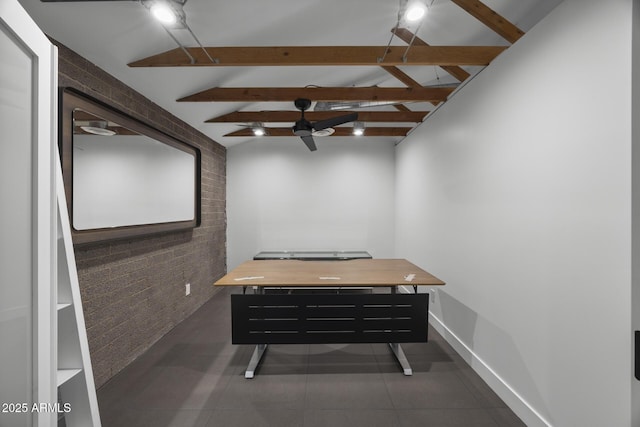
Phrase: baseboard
(513, 400)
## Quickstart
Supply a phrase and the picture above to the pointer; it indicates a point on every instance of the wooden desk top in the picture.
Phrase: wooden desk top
(349, 273)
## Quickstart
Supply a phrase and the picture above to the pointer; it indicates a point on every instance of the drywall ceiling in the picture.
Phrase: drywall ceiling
(114, 34)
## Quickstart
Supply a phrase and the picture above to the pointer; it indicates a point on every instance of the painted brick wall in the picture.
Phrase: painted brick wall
(133, 291)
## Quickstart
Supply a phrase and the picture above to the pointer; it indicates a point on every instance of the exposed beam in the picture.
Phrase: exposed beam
(401, 75)
(403, 108)
(284, 94)
(407, 36)
(339, 131)
(324, 55)
(292, 116)
(491, 19)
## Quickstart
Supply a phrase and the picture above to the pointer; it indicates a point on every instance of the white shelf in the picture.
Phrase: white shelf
(62, 306)
(65, 375)
(72, 347)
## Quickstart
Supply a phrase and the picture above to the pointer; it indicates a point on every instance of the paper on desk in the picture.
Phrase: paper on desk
(237, 279)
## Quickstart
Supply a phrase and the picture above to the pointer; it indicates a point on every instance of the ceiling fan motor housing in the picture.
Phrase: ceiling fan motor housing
(302, 128)
(302, 104)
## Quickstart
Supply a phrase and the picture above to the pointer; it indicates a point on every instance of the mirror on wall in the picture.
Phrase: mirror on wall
(122, 177)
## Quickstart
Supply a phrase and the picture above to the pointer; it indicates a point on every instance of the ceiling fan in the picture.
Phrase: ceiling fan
(304, 128)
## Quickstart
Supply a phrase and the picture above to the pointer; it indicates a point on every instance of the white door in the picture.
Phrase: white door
(27, 220)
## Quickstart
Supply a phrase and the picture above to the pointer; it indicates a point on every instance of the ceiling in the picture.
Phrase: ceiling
(115, 34)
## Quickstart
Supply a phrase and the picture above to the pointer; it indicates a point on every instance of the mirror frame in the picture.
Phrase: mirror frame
(70, 100)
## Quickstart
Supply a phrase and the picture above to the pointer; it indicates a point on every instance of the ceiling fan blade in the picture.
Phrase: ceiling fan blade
(310, 142)
(335, 121)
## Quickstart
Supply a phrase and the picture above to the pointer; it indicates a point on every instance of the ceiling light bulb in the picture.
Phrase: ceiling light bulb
(358, 128)
(258, 129)
(415, 11)
(163, 13)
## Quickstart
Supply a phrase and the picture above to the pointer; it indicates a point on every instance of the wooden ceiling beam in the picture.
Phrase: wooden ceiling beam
(324, 55)
(402, 108)
(292, 116)
(339, 131)
(401, 75)
(404, 78)
(407, 36)
(491, 19)
(286, 94)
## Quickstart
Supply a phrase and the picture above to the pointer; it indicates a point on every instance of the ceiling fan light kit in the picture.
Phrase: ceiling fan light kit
(97, 128)
(324, 132)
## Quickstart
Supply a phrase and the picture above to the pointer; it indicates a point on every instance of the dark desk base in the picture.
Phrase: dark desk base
(312, 318)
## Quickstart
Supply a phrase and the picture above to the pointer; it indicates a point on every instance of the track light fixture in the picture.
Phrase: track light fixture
(163, 13)
(358, 128)
(415, 10)
(409, 12)
(258, 129)
(169, 13)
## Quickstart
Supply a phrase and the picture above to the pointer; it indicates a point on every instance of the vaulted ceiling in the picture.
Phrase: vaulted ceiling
(258, 56)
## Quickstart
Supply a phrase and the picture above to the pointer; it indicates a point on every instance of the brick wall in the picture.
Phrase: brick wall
(133, 291)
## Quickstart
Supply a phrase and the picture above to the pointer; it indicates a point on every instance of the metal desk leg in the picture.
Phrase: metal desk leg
(258, 352)
(255, 360)
(397, 351)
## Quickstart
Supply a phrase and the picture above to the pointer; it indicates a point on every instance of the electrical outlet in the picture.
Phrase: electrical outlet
(187, 289)
(433, 296)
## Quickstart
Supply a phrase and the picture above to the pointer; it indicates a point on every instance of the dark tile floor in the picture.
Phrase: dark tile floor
(194, 376)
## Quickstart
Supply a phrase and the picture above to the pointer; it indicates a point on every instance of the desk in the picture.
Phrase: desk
(292, 317)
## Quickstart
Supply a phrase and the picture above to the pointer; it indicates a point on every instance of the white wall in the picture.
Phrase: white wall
(517, 193)
(281, 196)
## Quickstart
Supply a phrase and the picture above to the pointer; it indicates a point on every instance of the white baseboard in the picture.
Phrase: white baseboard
(514, 401)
